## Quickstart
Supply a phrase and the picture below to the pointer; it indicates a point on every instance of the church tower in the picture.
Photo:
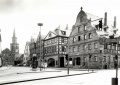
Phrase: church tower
(14, 45)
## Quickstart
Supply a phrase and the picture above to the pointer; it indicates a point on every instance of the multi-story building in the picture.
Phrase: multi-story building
(26, 54)
(14, 46)
(55, 44)
(36, 47)
(85, 50)
(0, 51)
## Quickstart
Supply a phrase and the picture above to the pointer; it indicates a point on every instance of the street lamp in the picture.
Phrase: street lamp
(40, 24)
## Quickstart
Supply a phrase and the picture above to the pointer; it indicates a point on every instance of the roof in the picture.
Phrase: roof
(83, 18)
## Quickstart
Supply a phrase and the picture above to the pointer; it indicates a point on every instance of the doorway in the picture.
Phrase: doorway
(61, 61)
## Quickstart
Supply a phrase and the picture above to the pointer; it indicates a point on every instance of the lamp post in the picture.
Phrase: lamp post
(40, 24)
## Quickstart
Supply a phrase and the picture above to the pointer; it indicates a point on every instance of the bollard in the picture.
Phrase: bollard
(114, 81)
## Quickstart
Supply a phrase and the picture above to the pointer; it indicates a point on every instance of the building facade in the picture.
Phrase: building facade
(55, 47)
(36, 47)
(0, 51)
(26, 54)
(85, 50)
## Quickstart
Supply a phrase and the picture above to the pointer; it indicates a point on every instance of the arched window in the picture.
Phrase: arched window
(90, 35)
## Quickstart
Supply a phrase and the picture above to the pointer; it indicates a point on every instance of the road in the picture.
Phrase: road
(102, 77)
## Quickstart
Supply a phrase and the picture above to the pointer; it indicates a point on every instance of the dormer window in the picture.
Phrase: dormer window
(63, 32)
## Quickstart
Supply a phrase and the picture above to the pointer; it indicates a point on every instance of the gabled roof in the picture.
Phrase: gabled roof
(59, 32)
(84, 18)
(50, 32)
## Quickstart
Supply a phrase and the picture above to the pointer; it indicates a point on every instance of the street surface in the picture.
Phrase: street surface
(100, 77)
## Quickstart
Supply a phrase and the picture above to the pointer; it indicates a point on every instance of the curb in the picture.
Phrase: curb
(43, 78)
(38, 72)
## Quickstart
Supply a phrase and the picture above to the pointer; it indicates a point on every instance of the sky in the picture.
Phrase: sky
(23, 16)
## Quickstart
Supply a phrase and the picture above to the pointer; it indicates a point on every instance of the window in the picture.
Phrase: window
(78, 48)
(104, 59)
(78, 29)
(84, 59)
(50, 35)
(81, 18)
(90, 58)
(84, 47)
(105, 46)
(49, 41)
(95, 45)
(84, 28)
(79, 38)
(62, 40)
(63, 32)
(73, 39)
(63, 49)
(96, 58)
(119, 47)
(73, 49)
(85, 37)
(109, 46)
(89, 46)
(90, 35)
(55, 39)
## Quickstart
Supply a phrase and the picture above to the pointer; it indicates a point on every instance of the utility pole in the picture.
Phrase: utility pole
(40, 24)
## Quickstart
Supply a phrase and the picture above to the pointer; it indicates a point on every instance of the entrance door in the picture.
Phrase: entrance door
(61, 61)
(51, 62)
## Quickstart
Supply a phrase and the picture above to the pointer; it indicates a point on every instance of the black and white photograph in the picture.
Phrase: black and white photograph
(59, 42)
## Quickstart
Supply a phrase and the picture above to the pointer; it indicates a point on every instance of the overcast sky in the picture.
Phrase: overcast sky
(23, 15)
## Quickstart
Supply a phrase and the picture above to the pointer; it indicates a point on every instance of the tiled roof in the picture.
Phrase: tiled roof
(61, 30)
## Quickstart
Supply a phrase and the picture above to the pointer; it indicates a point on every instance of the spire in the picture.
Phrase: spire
(67, 27)
(14, 33)
(14, 39)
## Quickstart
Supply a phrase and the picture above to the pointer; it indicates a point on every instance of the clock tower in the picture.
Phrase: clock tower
(14, 45)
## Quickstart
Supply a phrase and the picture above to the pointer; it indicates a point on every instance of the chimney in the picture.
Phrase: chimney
(114, 22)
(105, 19)
(67, 27)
